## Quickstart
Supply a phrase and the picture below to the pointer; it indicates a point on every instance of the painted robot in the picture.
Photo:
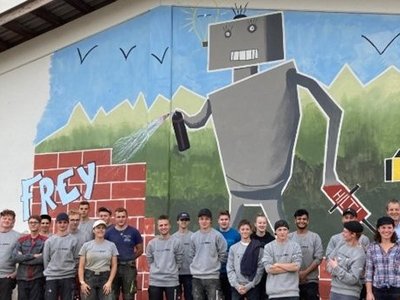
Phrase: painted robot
(256, 118)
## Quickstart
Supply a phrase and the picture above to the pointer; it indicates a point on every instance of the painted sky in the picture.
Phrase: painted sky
(159, 51)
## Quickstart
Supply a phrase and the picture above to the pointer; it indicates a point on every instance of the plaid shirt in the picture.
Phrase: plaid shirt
(383, 269)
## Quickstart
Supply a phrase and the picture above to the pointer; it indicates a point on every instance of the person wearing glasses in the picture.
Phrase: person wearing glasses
(184, 235)
(28, 254)
(97, 265)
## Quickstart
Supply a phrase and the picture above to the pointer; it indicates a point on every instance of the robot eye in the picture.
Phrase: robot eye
(252, 28)
(228, 34)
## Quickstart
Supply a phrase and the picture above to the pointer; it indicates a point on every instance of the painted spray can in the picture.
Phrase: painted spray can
(181, 135)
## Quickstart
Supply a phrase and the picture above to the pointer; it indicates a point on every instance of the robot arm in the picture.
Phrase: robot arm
(334, 114)
(337, 192)
(200, 119)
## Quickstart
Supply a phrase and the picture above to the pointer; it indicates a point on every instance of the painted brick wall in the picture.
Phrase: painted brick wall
(115, 186)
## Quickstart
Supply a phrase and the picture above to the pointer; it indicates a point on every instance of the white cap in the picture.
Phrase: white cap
(99, 222)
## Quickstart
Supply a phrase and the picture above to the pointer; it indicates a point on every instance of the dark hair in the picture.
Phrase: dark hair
(8, 212)
(84, 202)
(245, 222)
(163, 217)
(105, 209)
(45, 217)
(224, 213)
(35, 217)
(301, 212)
(378, 238)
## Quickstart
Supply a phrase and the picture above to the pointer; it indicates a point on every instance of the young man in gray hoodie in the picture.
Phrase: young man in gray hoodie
(208, 252)
(59, 253)
(282, 260)
(312, 253)
(346, 264)
(164, 255)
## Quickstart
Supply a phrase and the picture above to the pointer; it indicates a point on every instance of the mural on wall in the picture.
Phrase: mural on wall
(284, 109)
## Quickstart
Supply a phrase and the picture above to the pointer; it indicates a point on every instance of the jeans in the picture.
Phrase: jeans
(225, 286)
(157, 292)
(33, 289)
(62, 289)
(96, 283)
(125, 281)
(335, 296)
(185, 281)
(209, 289)
(252, 294)
(262, 295)
(391, 293)
(6, 288)
(309, 291)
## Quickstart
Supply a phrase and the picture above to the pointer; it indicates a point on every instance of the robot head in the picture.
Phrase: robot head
(245, 42)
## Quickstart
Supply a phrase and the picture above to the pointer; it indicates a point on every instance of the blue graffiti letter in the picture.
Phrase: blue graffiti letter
(27, 195)
(66, 197)
(88, 178)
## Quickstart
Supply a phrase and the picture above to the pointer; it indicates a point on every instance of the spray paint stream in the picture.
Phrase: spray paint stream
(126, 147)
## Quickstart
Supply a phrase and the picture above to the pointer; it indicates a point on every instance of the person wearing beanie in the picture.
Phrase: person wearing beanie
(282, 259)
(383, 260)
(59, 253)
(208, 252)
(346, 264)
(312, 253)
(184, 235)
(336, 240)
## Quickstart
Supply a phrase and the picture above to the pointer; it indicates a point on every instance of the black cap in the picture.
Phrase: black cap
(384, 221)
(353, 226)
(205, 212)
(62, 217)
(350, 211)
(183, 216)
(105, 209)
(281, 223)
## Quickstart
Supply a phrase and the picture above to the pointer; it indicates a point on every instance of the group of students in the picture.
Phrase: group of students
(252, 264)
(93, 259)
(84, 259)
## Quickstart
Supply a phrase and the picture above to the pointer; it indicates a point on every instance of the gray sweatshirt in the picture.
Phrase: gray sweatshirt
(165, 258)
(208, 251)
(311, 250)
(185, 239)
(346, 277)
(283, 284)
(8, 240)
(59, 255)
(338, 240)
(233, 267)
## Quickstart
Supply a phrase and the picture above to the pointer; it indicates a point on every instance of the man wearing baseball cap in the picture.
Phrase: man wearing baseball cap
(59, 253)
(208, 253)
(184, 235)
(346, 264)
